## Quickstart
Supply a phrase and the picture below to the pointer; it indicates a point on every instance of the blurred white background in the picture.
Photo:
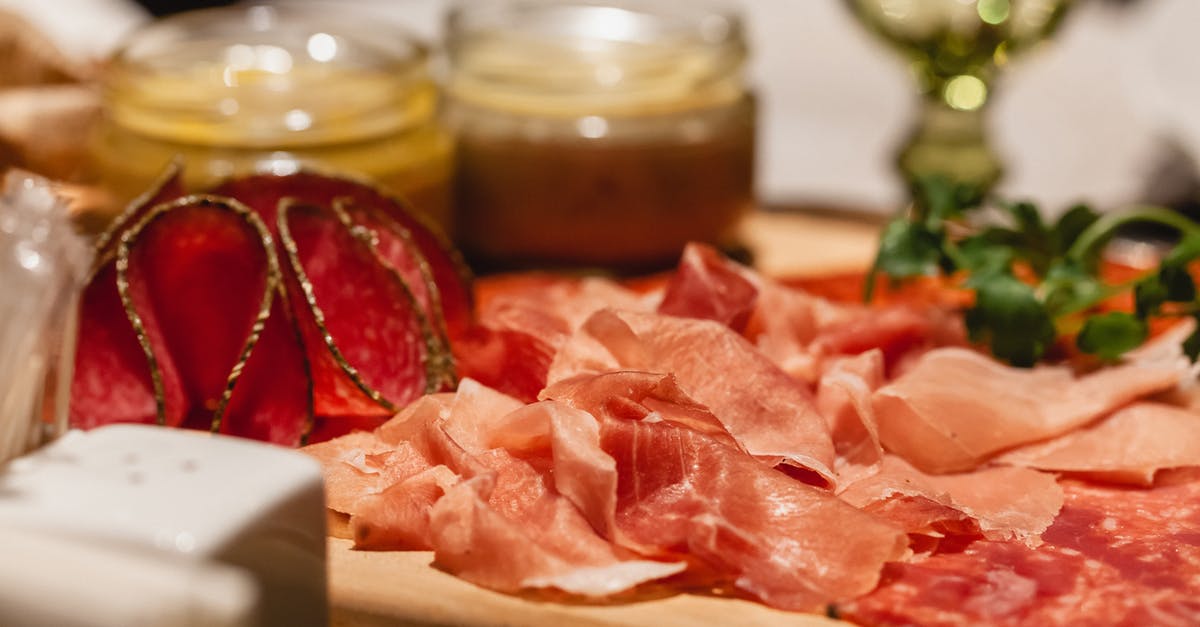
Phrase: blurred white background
(1084, 118)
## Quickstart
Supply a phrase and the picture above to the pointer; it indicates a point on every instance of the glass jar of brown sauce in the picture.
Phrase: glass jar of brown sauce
(274, 89)
(597, 134)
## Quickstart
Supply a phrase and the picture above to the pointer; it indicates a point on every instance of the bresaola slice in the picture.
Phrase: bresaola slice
(370, 347)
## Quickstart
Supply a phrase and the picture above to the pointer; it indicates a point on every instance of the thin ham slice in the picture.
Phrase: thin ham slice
(844, 399)
(786, 543)
(435, 478)
(518, 333)
(770, 414)
(996, 503)
(354, 466)
(687, 493)
(1112, 557)
(956, 408)
(397, 518)
(709, 286)
(1130, 446)
(548, 544)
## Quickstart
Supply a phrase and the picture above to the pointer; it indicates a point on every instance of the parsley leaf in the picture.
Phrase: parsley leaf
(1032, 278)
(1109, 335)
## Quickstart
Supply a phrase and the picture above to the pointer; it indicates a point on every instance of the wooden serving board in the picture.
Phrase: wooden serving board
(371, 589)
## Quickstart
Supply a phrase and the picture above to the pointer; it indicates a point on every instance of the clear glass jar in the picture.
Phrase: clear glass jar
(274, 88)
(597, 133)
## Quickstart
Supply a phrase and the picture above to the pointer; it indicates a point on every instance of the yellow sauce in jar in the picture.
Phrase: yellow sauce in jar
(592, 135)
(273, 89)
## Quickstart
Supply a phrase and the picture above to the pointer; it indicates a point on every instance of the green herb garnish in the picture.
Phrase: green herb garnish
(1034, 281)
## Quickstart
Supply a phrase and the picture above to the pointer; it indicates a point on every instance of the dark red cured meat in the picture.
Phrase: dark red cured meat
(272, 399)
(1113, 557)
(205, 301)
(262, 192)
(112, 379)
(168, 186)
(709, 286)
(395, 246)
(369, 346)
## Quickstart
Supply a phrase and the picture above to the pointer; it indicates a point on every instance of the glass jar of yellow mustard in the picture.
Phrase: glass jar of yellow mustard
(594, 133)
(274, 88)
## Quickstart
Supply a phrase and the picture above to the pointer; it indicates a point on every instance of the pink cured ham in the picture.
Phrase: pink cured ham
(681, 492)
(1112, 557)
(996, 503)
(518, 334)
(844, 399)
(431, 478)
(346, 463)
(770, 414)
(1130, 446)
(706, 285)
(956, 408)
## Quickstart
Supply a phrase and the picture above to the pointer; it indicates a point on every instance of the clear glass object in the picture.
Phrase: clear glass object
(954, 49)
(597, 133)
(274, 88)
(42, 267)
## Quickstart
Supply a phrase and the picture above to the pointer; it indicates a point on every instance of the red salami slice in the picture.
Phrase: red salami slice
(395, 245)
(113, 379)
(272, 400)
(196, 276)
(370, 348)
(168, 186)
(263, 192)
(1113, 557)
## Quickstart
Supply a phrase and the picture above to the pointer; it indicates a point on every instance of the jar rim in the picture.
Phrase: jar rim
(264, 75)
(573, 57)
(389, 42)
(710, 22)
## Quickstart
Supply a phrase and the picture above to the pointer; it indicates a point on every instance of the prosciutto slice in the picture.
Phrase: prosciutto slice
(844, 399)
(996, 503)
(1112, 557)
(683, 492)
(1130, 446)
(518, 333)
(956, 408)
(770, 414)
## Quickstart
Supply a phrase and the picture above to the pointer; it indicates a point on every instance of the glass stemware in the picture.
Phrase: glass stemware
(954, 49)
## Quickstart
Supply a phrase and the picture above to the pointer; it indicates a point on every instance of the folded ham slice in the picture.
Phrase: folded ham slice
(686, 493)
(518, 332)
(769, 413)
(996, 503)
(1130, 446)
(1112, 557)
(844, 399)
(956, 408)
